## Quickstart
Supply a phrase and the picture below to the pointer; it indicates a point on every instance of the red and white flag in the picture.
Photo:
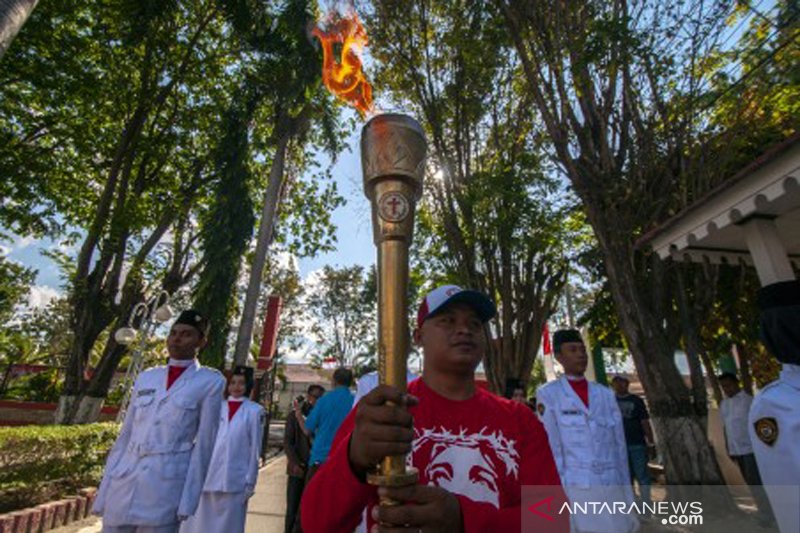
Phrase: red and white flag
(547, 347)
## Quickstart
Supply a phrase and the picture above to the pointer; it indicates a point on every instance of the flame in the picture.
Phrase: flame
(345, 78)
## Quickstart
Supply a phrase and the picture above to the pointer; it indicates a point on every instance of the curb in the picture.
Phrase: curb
(51, 515)
(268, 460)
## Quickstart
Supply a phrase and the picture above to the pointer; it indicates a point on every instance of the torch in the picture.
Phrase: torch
(393, 151)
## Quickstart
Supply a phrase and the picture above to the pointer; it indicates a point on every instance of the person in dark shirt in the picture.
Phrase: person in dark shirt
(638, 434)
(298, 448)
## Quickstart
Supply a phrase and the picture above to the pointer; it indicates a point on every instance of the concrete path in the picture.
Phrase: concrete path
(265, 513)
(267, 507)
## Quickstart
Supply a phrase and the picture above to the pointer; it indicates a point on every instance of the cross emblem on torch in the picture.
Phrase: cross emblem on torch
(393, 207)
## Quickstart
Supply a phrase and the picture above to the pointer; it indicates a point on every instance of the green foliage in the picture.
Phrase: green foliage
(491, 218)
(37, 387)
(342, 304)
(130, 127)
(16, 348)
(49, 329)
(282, 91)
(15, 282)
(39, 463)
(227, 227)
(70, 88)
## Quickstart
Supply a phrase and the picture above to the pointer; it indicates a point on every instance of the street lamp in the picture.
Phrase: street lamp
(150, 314)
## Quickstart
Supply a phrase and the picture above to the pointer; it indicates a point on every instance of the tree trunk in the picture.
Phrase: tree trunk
(688, 456)
(13, 14)
(88, 325)
(692, 343)
(265, 230)
(744, 368)
(712, 378)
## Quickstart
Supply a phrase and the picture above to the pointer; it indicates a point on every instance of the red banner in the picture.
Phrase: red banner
(269, 336)
(547, 348)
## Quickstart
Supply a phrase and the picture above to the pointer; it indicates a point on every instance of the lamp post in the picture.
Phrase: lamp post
(150, 313)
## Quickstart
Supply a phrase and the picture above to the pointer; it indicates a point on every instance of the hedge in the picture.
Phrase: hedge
(40, 463)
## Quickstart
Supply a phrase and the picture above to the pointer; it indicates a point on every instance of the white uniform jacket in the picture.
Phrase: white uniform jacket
(157, 467)
(234, 462)
(774, 426)
(589, 449)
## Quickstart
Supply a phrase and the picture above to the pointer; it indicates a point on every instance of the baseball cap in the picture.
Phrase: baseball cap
(439, 298)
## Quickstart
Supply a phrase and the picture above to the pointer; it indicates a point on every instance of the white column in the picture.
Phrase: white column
(769, 254)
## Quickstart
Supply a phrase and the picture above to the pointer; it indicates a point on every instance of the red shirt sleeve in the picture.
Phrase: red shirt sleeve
(334, 499)
(537, 468)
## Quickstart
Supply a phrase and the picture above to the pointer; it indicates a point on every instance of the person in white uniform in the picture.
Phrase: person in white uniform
(774, 421)
(155, 470)
(734, 411)
(233, 471)
(584, 427)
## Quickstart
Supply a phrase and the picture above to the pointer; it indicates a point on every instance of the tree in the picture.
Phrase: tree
(619, 98)
(13, 14)
(342, 306)
(15, 349)
(489, 219)
(297, 100)
(15, 283)
(123, 161)
(287, 85)
(282, 278)
(110, 134)
(227, 227)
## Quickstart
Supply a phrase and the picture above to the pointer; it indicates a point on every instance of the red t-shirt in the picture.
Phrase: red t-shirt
(482, 450)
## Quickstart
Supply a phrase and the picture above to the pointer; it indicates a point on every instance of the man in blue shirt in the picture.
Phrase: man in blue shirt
(326, 417)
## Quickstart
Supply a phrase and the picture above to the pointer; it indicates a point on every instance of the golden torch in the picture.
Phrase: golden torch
(393, 151)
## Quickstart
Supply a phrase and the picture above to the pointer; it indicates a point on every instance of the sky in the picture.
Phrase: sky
(352, 220)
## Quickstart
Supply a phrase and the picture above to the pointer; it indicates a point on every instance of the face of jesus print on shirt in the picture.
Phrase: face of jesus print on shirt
(466, 463)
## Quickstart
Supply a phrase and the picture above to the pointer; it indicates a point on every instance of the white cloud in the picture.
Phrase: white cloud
(41, 295)
(285, 259)
(20, 243)
(313, 279)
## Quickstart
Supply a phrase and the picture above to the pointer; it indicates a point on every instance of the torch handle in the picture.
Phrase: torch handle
(393, 152)
(393, 345)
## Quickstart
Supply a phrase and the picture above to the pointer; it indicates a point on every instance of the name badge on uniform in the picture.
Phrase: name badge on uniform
(570, 412)
(145, 392)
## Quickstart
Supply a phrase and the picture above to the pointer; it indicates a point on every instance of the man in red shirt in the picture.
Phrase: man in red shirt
(473, 450)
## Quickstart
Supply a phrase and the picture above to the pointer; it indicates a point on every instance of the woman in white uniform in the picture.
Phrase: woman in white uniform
(233, 470)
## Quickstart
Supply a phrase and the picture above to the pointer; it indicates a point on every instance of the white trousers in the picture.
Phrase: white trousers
(218, 512)
(170, 528)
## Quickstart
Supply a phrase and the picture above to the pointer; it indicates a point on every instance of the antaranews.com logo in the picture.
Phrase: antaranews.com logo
(601, 509)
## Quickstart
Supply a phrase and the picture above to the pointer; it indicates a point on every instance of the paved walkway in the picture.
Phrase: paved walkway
(267, 507)
(265, 513)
